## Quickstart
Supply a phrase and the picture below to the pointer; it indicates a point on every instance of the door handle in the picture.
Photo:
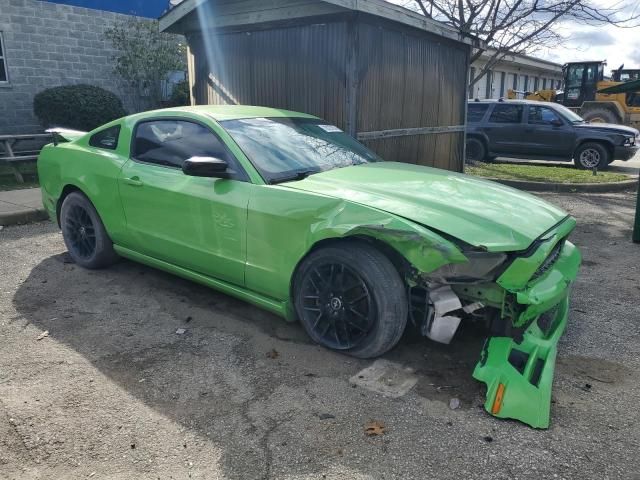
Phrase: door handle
(133, 181)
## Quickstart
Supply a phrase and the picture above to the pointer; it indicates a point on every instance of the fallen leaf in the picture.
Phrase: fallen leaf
(43, 335)
(273, 353)
(374, 428)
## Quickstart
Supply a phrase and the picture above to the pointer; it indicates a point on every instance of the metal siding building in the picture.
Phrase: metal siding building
(391, 77)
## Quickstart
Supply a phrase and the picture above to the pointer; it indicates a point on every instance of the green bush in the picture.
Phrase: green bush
(79, 107)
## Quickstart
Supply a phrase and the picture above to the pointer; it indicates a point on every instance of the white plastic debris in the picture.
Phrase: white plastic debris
(444, 300)
(443, 328)
(181, 331)
(472, 307)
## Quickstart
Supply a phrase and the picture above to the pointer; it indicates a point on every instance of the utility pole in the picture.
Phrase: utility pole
(636, 223)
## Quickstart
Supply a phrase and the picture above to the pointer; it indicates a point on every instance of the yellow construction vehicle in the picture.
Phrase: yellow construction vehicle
(592, 97)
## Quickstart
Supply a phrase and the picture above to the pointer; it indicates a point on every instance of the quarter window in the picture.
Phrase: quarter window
(171, 142)
(542, 116)
(476, 111)
(505, 113)
(4, 74)
(107, 138)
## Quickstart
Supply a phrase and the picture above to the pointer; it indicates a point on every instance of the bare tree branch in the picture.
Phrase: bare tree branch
(522, 26)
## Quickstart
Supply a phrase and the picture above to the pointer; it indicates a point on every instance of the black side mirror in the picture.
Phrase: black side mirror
(205, 167)
(557, 122)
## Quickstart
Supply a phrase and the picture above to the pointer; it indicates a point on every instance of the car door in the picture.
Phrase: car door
(194, 222)
(504, 128)
(547, 133)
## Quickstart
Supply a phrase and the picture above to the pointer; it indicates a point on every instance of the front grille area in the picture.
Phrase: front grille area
(549, 261)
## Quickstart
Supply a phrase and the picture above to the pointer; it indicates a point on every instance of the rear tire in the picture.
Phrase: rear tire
(600, 115)
(475, 150)
(591, 155)
(84, 234)
(350, 298)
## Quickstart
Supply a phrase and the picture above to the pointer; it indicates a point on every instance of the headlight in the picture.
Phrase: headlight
(481, 266)
(629, 141)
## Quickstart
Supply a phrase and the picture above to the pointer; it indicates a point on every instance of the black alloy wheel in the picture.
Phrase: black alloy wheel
(337, 305)
(84, 234)
(350, 297)
(80, 231)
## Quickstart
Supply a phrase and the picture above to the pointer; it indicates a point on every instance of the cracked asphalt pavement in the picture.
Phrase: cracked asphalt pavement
(112, 391)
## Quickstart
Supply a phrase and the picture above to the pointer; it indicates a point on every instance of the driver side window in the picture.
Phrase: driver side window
(542, 116)
(171, 142)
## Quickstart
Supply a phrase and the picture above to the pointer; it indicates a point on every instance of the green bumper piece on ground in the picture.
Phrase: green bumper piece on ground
(528, 378)
(519, 371)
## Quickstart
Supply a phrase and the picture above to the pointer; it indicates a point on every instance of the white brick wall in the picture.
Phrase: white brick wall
(511, 69)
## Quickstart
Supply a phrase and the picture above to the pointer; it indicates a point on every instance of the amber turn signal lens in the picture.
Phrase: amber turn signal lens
(497, 403)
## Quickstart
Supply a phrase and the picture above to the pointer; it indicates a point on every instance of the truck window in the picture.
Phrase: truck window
(476, 111)
(506, 113)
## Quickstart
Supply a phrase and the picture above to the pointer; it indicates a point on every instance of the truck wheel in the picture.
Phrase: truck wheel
(84, 234)
(600, 115)
(591, 155)
(475, 150)
(349, 297)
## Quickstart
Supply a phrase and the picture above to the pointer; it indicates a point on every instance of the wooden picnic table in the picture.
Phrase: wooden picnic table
(9, 143)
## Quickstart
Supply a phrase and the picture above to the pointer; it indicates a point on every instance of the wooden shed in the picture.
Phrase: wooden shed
(394, 79)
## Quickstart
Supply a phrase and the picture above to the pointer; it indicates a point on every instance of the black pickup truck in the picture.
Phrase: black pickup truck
(544, 131)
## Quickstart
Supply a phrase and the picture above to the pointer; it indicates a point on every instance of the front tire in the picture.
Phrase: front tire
(350, 298)
(84, 234)
(592, 155)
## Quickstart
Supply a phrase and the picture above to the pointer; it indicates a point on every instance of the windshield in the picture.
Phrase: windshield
(284, 149)
(568, 114)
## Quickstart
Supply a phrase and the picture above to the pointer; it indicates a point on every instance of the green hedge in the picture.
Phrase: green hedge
(79, 107)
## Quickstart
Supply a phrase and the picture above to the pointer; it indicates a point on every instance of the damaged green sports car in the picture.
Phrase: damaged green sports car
(289, 213)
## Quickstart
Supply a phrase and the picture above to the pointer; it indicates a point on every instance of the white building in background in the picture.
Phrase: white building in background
(516, 72)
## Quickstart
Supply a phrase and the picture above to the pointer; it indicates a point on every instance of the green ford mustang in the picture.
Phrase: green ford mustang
(291, 214)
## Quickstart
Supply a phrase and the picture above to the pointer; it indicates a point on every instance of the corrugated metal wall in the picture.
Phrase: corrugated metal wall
(406, 80)
(297, 68)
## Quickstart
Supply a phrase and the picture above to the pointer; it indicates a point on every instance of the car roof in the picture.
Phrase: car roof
(516, 102)
(226, 112)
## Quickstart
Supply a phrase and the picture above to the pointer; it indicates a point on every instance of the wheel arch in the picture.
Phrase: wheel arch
(612, 106)
(66, 190)
(480, 136)
(402, 265)
(409, 251)
(607, 144)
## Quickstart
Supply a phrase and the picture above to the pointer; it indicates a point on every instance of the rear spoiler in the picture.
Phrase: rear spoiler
(63, 135)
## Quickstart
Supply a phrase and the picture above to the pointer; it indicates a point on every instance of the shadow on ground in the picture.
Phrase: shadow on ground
(238, 375)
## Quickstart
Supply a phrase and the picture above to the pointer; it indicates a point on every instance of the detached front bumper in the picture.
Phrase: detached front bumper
(518, 370)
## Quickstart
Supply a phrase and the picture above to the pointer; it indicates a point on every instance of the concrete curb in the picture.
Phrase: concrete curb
(21, 217)
(569, 187)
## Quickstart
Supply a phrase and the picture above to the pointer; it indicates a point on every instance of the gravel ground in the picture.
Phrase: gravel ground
(113, 392)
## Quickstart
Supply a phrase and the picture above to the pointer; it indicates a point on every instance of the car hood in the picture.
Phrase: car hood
(608, 128)
(478, 212)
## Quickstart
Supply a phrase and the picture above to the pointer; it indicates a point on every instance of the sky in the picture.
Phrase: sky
(582, 42)
(614, 44)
